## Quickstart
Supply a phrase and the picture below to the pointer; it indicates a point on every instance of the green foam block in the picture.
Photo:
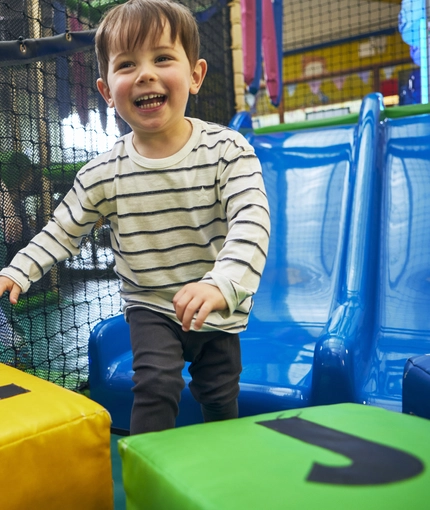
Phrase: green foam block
(344, 456)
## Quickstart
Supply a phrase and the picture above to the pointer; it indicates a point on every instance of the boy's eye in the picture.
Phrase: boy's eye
(163, 58)
(124, 65)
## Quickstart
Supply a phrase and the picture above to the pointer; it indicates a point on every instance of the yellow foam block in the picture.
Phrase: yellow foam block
(54, 447)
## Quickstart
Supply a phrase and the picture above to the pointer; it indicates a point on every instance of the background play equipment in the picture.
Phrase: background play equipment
(55, 447)
(416, 386)
(340, 456)
(311, 176)
(262, 26)
(410, 16)
(272, 48)
(251, 16)
(413, 29)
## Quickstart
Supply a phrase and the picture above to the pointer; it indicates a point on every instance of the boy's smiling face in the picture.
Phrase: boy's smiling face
(149, 86)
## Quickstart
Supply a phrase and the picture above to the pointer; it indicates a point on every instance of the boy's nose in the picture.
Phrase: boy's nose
(146, 74)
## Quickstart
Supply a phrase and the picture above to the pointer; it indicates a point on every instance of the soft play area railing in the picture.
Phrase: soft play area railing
(343, 301)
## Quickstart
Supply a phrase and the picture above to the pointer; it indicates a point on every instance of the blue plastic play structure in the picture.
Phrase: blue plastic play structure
(344, 298)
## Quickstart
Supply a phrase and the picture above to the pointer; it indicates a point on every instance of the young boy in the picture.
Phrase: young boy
(188, 214)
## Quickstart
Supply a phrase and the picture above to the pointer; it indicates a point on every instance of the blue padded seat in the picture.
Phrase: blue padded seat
(276, 374)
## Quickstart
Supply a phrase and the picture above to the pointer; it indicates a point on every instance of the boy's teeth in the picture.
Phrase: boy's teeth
(149, 97)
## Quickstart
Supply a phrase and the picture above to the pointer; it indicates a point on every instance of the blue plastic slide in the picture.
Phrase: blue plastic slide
(384, 319)
(401, 326)
(313, 178)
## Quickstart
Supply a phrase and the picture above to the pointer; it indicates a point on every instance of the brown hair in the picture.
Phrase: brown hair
(127, 25)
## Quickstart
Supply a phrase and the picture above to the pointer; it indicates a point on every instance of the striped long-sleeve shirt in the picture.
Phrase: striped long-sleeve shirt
(200, 215)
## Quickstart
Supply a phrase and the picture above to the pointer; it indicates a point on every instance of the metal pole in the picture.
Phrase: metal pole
(36, 33)
(42, 125)
(237, 55)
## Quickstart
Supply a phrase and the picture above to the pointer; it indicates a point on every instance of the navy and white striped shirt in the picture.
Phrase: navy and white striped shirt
(198, 215)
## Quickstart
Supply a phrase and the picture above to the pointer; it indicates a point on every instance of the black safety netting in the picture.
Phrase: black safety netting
(52, 121)
(335, 52)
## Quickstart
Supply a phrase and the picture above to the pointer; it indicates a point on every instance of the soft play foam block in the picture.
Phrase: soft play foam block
(54, 447)
(344, 456)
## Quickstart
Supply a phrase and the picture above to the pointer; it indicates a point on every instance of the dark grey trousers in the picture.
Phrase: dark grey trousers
(160, 349)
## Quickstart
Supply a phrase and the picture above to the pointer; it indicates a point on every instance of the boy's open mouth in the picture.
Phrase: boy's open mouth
(150, 101)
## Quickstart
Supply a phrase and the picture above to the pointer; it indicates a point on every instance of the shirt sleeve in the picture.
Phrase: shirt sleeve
(58, 240)
(240, 262)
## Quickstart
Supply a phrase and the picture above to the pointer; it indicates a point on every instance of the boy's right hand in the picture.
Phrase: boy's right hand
(6, 284)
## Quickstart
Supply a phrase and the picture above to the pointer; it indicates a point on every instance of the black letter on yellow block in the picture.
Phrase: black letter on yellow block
(11, 390)
(371, 463)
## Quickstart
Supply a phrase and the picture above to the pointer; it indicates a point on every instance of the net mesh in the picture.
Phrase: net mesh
(337, 51)
(52, 121)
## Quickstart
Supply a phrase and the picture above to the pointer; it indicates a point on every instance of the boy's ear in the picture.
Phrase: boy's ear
(198, 75)
(103, 88)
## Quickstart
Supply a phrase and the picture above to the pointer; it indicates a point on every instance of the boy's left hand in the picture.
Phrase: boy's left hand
(197, 297)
